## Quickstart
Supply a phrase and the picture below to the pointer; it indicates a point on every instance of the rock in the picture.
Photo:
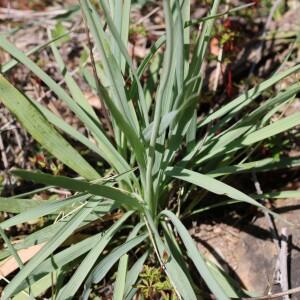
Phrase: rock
(249, 254)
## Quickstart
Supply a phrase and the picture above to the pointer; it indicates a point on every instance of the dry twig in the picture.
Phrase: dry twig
(16, 14)
(277, 295)
(283, 256)
(269, 218)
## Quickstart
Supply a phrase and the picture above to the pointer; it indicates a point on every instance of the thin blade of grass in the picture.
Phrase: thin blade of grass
(112, 70)
(227, 12)
(125, 12)
(51, 246)
(39, 287)
(278, 195)
(263, 165)
(124, 52)
(108, 151)
(275, 128)
(240, 102)
(74, 89)
(18, 205)
(167, 65)
(212, 185)
(42, 131)
(134, 272)
(64, 257)
(202, 44)
(68, 129)
(121, 109)
(212, 206)
(11, 249)
(196, 257)
(13, 62)
(276, 101)
(178, 278)
(44, 209)
(226, 144)
(118, 195)
(134, 139)
(107, 263)
(232, 288)
(45, 234)
(69, 290)
(119, 288)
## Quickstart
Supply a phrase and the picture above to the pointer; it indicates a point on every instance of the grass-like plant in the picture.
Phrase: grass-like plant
(158, 150)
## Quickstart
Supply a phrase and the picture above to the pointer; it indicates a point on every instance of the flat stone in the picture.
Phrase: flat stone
(249, 254)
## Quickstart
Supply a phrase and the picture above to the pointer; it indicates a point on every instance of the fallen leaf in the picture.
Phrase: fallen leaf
(10, 264)
(214, 46)
(93, 100)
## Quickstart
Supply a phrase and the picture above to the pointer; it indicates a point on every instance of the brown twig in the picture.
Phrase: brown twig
(5, 164)
(281, 268)
(283, 255)
(272, 228)
(277, 295)
(3, 154)
(152, 12)
(220, 57)
(269, 218)
(61, 82)
(16, 14)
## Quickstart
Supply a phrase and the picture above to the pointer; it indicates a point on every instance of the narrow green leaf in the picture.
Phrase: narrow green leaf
(69, 290)
(18, 205)
(210, 184)
(196, 257)
(112, 70)
(161, 92)
(237, 104)
(106, 264)
(177, 277)
(76, 92)
(39, 287)
(276, 101)
(109, 153)
(125, 12)
(134, 139)
(120, 196)
(202, 44)
(272, 129)
(212, 206)
(278, 195)
(63, 258)
(13, 62)
(45, 208)
(227, 12)
(166, 120)
(51, 246)
(119, 288)
(134, 272)
(231, 287)
(42, 131)
(68, 129)
(11, 249)
(263, 165)
(124, 52)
